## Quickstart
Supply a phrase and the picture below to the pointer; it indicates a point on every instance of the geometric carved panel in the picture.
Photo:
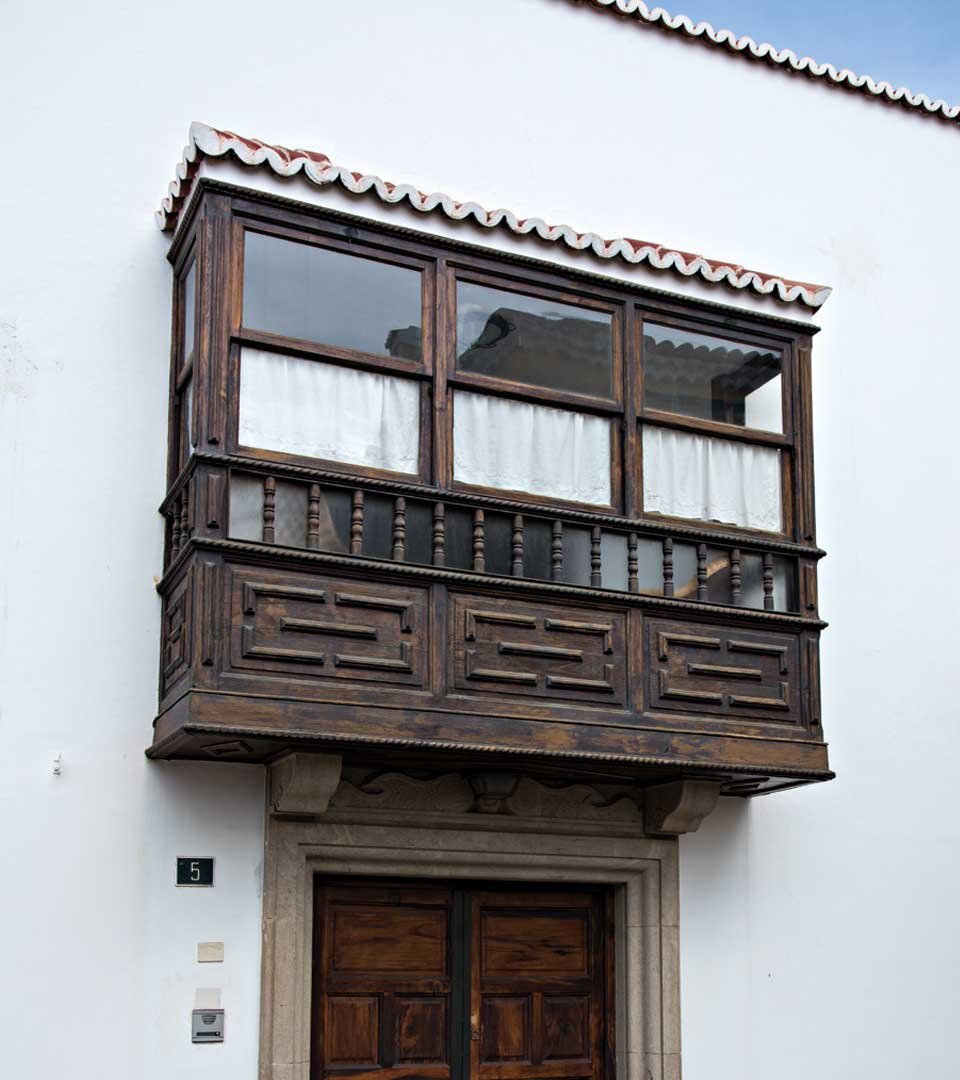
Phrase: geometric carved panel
(314, 625)
(538, 650)
(175, 655)
(723, 671)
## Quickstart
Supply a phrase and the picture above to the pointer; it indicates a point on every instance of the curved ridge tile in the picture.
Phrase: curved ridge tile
(784, 58)
(212, 142)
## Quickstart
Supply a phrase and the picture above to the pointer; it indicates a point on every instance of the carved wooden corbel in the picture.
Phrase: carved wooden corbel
(304, 783)
(680, 806)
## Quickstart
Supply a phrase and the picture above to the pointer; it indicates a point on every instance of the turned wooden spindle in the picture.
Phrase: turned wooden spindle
(736, 578)
(702, 591)
(439, 534)
(313, 517)
(185, 515)
(768, 581)
(596, 559)
(175, 529)
(269, 509)
(668, 566)
(356, 524)
(633, 580)
(399, 528)
(556, 552)
(517, 549)
(479, 542)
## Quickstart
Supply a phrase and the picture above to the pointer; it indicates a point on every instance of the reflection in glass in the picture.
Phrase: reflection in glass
(290, 521)
(532, 340)
(318, 294)
(246, 507)
(419, 526)
(712, 378)
(576, 555)
(458, 532)
(537, 540)
(613, 560)
(378, 526)
(189, 311)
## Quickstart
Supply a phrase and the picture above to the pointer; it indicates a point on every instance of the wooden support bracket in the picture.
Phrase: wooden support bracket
(679, 807)
(304, 783)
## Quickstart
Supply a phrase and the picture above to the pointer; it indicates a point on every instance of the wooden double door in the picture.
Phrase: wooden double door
(458, 982)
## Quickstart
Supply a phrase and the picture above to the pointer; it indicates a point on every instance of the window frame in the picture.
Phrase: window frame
(420, 371)
(215, 238)
(785, 442)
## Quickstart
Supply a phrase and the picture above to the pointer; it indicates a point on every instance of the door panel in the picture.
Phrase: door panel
(538, 986)
(420, 982)
(382, 982)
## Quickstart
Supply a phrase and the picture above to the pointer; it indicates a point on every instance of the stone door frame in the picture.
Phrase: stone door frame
(394, 836)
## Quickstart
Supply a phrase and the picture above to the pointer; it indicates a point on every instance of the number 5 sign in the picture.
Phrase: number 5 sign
(194, 871)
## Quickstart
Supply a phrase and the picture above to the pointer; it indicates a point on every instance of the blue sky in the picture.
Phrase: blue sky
(908, 44)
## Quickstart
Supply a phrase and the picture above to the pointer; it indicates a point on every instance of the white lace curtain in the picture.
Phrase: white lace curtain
(709, 479)
(522, 447)
(319, 410)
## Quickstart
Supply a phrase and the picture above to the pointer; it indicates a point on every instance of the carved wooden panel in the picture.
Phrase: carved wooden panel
(539, 650)
(382, 981)
(317, 626)
(725, 671)
(538, 986)
(175, 648)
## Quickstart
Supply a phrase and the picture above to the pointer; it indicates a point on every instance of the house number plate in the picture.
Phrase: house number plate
(194, 871)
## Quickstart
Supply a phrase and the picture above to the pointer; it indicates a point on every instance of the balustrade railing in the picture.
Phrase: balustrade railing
(457, 534)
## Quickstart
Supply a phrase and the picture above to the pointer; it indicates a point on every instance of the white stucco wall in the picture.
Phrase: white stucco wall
(818, 926)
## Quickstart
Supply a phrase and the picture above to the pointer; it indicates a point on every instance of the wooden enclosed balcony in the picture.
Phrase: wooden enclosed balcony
(434, 620)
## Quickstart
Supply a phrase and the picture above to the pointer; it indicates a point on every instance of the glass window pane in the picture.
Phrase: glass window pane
(520, 447)
(712, 378)
(537, 548)
(576, 555)
(613, 560)
(378, 526)
(535, 341)
(246, 507)
(313, 409)
(189, 311)
(317, 294)
(709, 479)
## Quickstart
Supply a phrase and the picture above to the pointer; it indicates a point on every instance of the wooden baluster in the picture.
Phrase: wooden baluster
(702, 572)
(439, 534)
(399, 528)
(596, 578)
(633, 566)
(313, 517)
(736, 578)
(479, 542)
(269, 509)
(556, 552)
(356, 524)
(185, 515)
(518, 545)
(668, 566)
(768, 581)
(175, 528)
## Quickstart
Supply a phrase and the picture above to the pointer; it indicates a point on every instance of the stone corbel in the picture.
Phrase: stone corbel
(304, 783)
(678, 807)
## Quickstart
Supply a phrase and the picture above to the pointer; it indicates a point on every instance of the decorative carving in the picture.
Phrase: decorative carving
(329, 628)
(176, 628)
(679, 807)
(707, 669)
(540, 650)
(304, 783)
(486, 793)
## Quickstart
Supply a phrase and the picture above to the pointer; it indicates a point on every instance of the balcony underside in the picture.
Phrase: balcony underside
(264, 653)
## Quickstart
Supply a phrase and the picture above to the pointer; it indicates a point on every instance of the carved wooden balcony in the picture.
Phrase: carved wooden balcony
(311, 605)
